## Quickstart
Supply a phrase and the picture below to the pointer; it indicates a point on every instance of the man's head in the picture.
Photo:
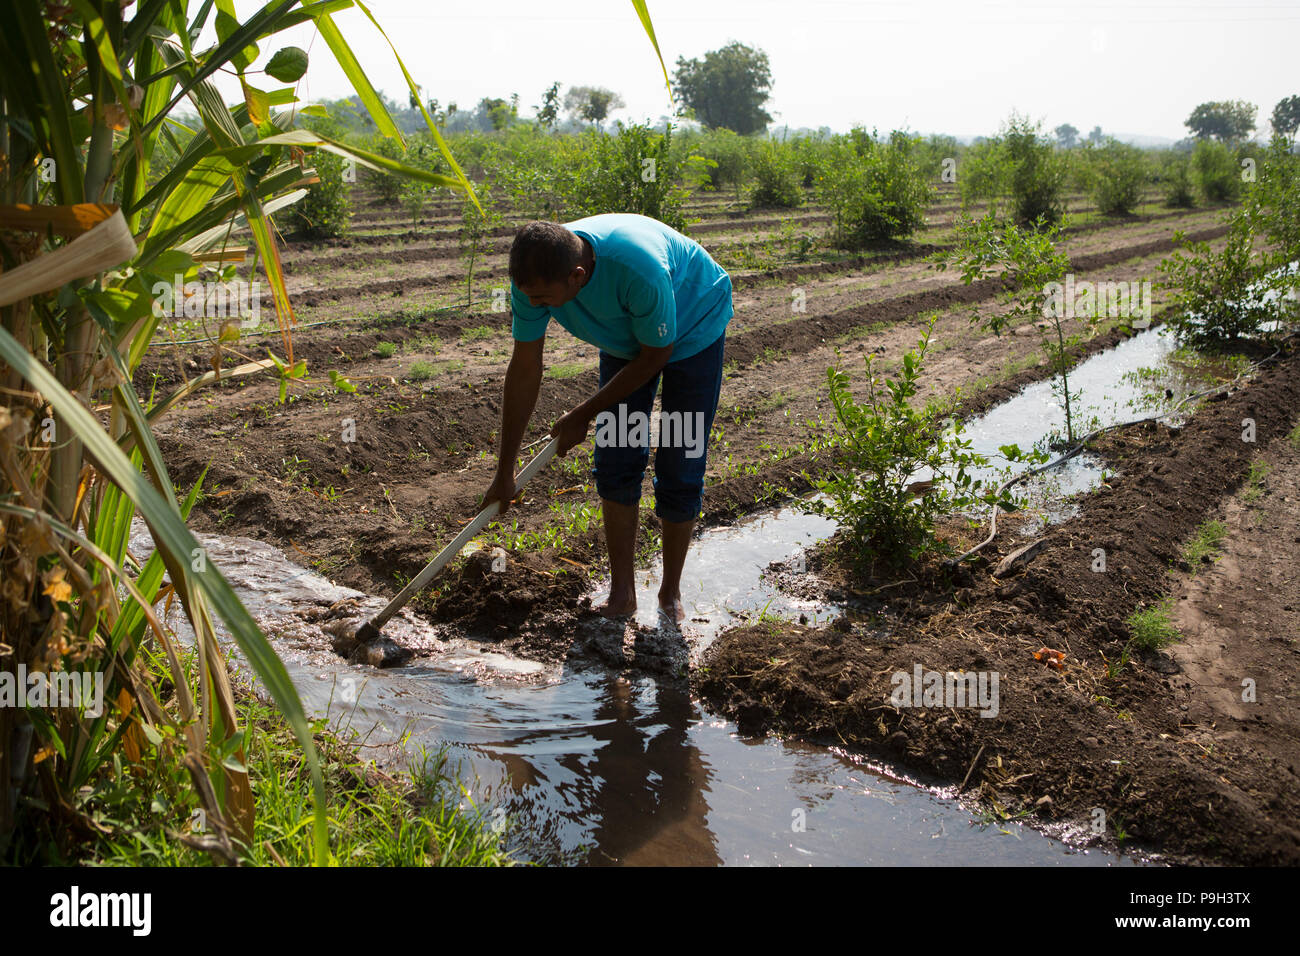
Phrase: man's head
(546, 263)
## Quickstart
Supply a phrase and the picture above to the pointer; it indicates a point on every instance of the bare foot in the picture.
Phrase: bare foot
(672, 607)
(617, 604)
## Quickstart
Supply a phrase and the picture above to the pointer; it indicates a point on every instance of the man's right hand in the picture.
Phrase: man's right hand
(502, 489)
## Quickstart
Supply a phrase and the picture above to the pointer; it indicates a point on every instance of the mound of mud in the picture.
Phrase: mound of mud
(528, 603)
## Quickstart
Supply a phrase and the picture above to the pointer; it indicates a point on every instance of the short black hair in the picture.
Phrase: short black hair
(543, 252)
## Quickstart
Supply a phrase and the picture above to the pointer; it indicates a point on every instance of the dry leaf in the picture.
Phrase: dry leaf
(55, 586)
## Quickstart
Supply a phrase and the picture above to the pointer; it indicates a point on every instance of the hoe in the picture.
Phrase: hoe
(360, 643)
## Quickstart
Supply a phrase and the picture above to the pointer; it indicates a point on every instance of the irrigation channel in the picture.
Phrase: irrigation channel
(585, 762)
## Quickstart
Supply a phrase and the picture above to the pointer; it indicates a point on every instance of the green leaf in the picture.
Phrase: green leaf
(259, 104)
(644, 15)
(306, 138)
(234, 763)
(464, 183)
(227, 26)
(333, 37)
(288, 65)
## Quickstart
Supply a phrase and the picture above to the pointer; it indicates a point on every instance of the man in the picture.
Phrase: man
(657, 306)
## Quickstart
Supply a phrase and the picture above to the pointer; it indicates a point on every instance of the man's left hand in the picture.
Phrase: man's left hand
(571, 430)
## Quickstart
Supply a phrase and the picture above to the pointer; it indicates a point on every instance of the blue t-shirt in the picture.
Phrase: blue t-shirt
(651, 286)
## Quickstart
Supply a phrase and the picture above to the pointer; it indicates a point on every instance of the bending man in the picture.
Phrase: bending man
(656, 306)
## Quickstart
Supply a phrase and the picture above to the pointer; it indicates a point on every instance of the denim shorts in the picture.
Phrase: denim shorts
(691, 390)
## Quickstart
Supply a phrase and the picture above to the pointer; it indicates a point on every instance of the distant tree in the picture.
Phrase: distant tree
(1286, 116)
(1095, 137)
(439, 115)
(591, 103)
(413, 98)
(1224, 120)
(498, 112)
(549, 112)
(1066, 135)
(727, 88)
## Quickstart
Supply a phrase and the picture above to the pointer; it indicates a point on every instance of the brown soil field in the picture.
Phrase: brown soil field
(1198, 776)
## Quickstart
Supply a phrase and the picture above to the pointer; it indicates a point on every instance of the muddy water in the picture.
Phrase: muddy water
(581, 763)
(1132, 380)
(586, 762)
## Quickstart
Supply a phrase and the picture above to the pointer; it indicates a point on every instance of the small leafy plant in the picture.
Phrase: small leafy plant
(326, 211)
(903, 466)
(478, 223)
(1218, 298)
(1028, 259)
(1117, 176)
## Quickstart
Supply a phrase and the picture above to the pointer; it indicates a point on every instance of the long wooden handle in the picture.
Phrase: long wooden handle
(474, 527)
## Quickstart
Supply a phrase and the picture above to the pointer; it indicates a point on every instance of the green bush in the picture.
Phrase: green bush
(1273, 201)
(325, 211)
(931, 152)
(1037, 173)
(1118, 176)
(1216, 171)
(877, 191)
(634, 171)
(810, 154)
(777, 178)
(1220, 297)
(887, 445)
(1241, 290)
(1176, 178)
(386, 186)
(983, 175)
(729, 152)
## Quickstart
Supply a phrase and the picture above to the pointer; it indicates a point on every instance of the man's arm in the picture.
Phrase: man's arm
(572, 428)
(647, 296)
(519, 398)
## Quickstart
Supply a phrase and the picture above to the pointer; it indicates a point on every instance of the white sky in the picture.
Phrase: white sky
(950, 66)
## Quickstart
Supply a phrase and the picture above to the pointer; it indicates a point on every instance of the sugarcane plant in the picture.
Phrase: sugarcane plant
(109, 208)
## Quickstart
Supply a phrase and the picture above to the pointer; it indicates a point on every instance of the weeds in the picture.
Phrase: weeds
(1153, 628)
(1254, 489)
(1205, 541)
(566, 370)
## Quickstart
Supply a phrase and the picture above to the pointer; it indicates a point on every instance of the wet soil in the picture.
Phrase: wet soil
(1157, 751)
